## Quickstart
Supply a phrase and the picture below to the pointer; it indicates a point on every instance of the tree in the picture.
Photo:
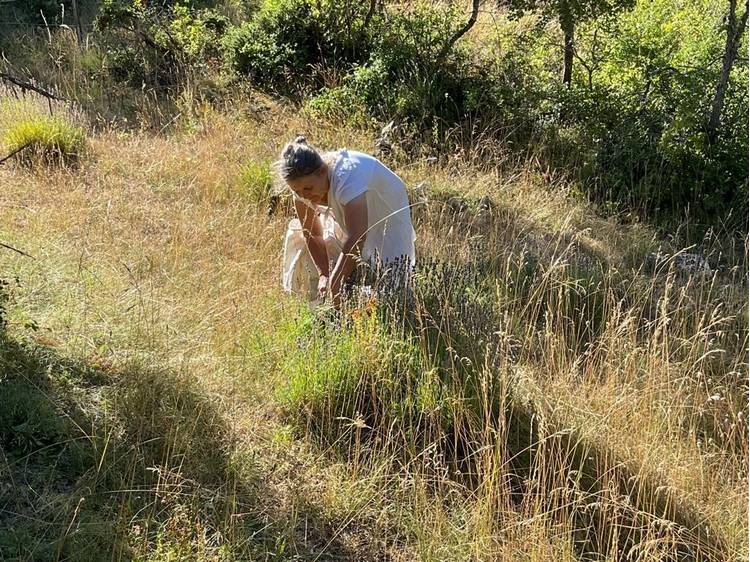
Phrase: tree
(735, 28)
(461, 32)
(569, 13)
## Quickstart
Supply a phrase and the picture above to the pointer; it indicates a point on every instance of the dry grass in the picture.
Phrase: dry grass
(153, 267)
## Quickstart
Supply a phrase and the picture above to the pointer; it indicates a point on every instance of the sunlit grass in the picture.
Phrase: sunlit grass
(549, 395)
(51, 140)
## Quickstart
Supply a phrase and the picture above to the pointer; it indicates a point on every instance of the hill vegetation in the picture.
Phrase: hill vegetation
(569, 381)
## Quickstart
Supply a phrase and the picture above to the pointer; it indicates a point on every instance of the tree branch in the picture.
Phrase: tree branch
(3, 245)
(461, 32)
(370, 13)
(16, 151)
(28, 86)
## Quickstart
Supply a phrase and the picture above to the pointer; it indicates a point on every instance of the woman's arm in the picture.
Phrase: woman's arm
(313, 231)
(355, 215)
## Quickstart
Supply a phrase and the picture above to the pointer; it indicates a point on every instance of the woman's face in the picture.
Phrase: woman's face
(313, 187)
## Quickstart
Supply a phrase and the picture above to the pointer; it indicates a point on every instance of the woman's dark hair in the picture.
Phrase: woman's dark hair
(299, 159)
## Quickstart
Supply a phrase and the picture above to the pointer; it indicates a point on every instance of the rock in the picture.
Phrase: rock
(457, 204)
(383, 144)
(692, 263)
(684, 263)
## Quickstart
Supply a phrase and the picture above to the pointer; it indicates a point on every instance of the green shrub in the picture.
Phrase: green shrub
(253, 52)
(362, 377)
(256, 181)
(287, 40)
(51, 140)
(198, 34)
(431, 97)
(159, 44)
(641, 118)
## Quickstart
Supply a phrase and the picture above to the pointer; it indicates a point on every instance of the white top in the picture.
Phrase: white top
(390, 233)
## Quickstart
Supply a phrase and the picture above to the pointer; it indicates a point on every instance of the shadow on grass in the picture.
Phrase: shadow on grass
(616, 509)
(99, 464)
(431, 387)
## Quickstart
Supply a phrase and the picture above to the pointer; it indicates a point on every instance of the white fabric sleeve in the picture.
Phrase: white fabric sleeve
(352, 181)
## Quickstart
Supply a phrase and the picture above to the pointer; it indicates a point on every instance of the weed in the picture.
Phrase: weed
(50, 140)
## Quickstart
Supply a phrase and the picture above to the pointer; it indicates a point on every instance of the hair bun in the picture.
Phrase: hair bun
(300, 139)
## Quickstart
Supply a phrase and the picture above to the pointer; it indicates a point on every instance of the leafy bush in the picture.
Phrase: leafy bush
(159, 44)
(640, 116)
(431, 96)
(332, 385)
(198, 34)
(281, 44)
(52, 140)
(250, 51)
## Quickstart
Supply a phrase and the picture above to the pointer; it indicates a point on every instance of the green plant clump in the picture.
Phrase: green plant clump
(256, 181)
(51, 140)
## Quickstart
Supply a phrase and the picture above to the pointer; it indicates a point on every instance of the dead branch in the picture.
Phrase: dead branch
(28, 86)
(3, 245)
(16, 151)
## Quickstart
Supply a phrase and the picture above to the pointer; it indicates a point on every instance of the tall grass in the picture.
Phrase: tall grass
(548, 395)
(544, 380)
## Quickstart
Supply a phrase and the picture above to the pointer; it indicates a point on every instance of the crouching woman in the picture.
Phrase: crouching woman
(369, 203)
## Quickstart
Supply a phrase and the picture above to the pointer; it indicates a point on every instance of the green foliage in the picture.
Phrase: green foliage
(119, 13)
(286, 39)
(49, 139)
(256, 181)
(642, 120)
(364, 377)
(81, 445)
(430, 96)
(578, 10)
(159, 44)
(45, 445)
(631, 126)
(630, 129)
(252, 52)
(198, 34)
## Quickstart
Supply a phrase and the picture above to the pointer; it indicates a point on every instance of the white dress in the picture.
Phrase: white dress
(390, 233)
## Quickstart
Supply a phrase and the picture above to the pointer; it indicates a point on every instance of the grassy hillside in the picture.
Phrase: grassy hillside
(632, 129)
(562, 388)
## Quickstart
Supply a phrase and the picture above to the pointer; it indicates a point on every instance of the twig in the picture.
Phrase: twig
(29, 86)
(16, 151)
(3, 245)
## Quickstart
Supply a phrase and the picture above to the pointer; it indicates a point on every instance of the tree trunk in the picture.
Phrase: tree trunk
(460, 33)
(370, 13)
(567, 26)
(734, 36)
(77, 22)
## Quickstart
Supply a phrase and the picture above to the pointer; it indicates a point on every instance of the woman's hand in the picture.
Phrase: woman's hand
(322, 287)
(355, 218)
(335, 289)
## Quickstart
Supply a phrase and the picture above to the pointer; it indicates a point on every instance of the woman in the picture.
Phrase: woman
(367, 200)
